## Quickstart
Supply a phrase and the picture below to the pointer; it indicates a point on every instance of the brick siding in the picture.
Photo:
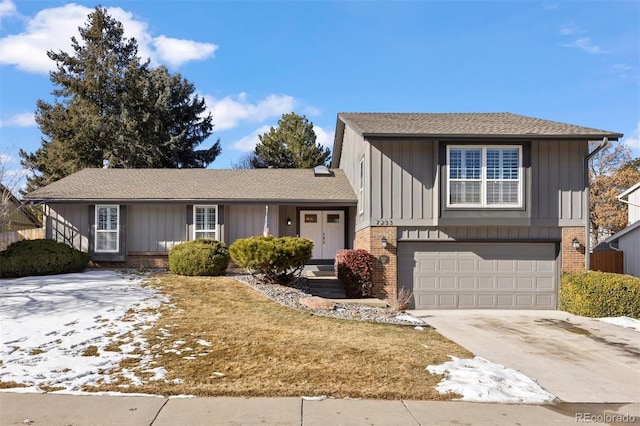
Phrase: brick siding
(572, 259)
(385, 276)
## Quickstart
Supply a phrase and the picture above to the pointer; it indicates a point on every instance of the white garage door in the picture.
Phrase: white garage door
(479, 275)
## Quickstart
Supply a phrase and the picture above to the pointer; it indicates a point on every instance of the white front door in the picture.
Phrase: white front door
(326, 229)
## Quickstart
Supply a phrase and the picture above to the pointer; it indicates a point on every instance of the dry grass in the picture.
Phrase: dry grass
(260, 348)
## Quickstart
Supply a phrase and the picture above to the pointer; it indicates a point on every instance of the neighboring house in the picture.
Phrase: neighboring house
(16, 221)
(464, 210)
(628, 239)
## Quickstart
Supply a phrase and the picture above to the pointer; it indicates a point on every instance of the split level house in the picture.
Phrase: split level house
(465, 210)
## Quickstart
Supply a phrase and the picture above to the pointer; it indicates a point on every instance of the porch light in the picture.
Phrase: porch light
(289, 221)
(383, 241)
(575, 243)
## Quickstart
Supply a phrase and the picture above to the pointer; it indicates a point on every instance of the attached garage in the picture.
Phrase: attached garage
(448, 275)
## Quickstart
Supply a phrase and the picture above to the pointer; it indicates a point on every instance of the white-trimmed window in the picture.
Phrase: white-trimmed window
(361, 187)
(107, 229)
(484, 176)
(205, 221)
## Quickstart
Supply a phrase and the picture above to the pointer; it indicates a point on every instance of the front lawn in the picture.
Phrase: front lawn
(218, 336)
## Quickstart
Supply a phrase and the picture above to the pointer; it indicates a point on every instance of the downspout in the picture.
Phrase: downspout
(587, 225)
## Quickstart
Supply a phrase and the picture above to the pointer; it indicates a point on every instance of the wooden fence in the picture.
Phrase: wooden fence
(7, 238)
(607, 261)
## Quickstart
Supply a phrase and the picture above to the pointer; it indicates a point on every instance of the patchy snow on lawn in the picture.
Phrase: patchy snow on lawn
(60, 331)
(625, 322)
(479, 380)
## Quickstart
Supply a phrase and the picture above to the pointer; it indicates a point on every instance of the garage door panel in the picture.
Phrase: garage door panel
(486, 265)
(480, 275)
(425, 283)
(467, 283)
(526, 283)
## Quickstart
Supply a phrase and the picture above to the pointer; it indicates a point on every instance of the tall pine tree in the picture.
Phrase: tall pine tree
(291, 145)
(111, 106)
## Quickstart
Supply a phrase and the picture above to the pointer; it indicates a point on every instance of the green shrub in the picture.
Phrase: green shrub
(272, 259)
(354, 268)
(202, 257)
(600, 294)
(41, 257)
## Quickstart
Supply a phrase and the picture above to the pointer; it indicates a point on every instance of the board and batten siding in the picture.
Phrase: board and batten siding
(156, 227)
(69, 224)
(403, 175)
(246, 220)
(354, 149)
(559, 184)
(479, 233)
(403, 181)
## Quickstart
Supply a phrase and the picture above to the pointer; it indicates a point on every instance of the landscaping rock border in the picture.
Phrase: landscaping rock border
(292, 296)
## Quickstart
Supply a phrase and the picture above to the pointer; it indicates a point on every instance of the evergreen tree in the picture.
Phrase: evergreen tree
(291, 145)
(111, 106)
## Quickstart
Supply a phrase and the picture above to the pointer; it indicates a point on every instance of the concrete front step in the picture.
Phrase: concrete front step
(321, 274)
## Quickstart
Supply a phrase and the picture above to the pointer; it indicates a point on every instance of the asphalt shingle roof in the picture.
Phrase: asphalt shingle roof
(500, 124)
(239, 185)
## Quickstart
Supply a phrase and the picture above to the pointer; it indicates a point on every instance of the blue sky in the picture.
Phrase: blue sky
(571, 61)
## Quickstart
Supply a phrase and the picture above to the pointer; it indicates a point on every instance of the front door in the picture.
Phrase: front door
(326, 229)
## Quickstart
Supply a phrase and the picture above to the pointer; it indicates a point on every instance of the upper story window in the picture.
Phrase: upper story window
(107, 224)
(205, 219)
(484, 176)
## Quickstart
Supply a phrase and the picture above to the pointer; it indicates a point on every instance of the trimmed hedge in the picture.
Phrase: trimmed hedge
(41, 257)
(354, 268)
(600, 294)
(201, 257)
(272, 259)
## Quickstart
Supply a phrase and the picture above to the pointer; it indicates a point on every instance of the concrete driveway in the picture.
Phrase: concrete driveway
(577, 359)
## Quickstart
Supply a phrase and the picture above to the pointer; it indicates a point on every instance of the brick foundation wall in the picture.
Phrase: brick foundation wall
(385, 275)
(572, 260)
(139, 261)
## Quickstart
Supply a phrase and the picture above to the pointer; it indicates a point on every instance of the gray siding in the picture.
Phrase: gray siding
(558, 187)
(479, 233)
(403, 176)
(354, 148)
(156, 227)
(68, 223)
(243, 221)
(287, 212)
(403, 173)
(630, 244)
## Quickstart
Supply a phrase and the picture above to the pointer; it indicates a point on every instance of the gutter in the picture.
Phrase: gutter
(587, 225)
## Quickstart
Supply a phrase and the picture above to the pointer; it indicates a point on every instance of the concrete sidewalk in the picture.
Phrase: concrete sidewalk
(51, 409)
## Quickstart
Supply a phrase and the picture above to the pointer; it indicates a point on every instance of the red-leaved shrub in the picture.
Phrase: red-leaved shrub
(354, 268)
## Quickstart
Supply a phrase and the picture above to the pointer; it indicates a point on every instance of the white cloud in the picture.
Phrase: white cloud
(176, 52)
(52, 29)
(622, 67)
(586, 45)
(228, 112)
(7, 8)
(249, 142)
(323, 137)
(25, 119)
(570, 29)
(633, 141)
